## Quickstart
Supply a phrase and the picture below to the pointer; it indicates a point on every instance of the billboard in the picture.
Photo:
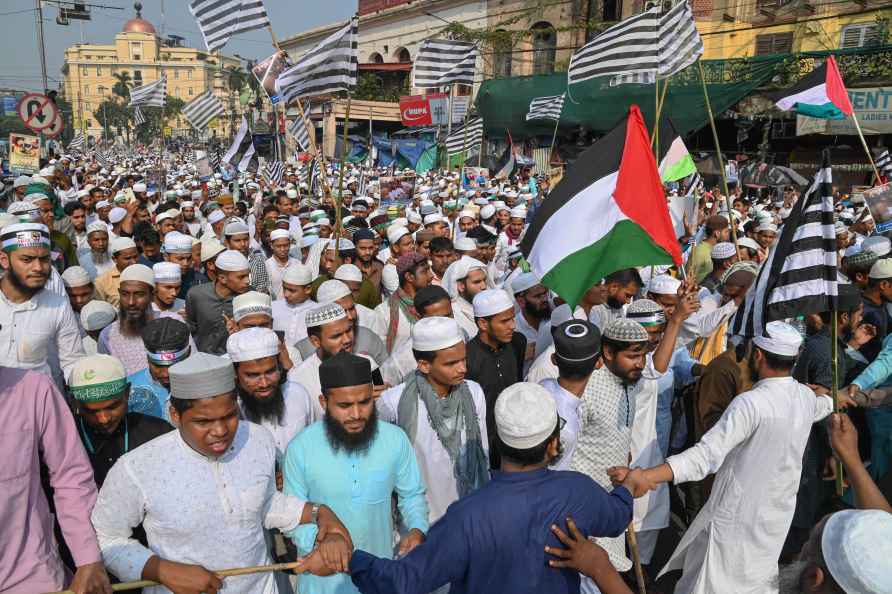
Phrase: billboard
(424, 110)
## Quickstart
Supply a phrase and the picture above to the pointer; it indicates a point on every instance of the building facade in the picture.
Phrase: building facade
(89, 74)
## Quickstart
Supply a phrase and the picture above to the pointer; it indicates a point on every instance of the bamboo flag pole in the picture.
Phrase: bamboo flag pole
(636, 557)
(834, 387)
(866, 148)
(223, 574)
(718, 154)
(655, 140)
(340, 199)
(660, 103)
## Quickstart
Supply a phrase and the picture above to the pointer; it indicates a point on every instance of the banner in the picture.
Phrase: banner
(473, 178)
(415, 111)
(879, 201)
(873, 107)
(397, 190)
(24, 154)
(268, 70)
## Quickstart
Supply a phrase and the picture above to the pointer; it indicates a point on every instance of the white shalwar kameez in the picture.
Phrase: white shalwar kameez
(298, 414)
(755, 451)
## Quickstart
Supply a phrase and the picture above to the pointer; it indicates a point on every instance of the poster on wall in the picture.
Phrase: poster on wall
(879, 201)
(24, 154)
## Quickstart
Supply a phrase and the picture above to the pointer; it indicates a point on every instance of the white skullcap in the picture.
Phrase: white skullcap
(390, 278)
(395, 233)
(433, 218)
(96, 315)
(526, 415)
(519, 212)
(331, 290)
(291, 193)
(201, 375)
(76, 276)
(297, 274)
(324, 314)
(235, 226)
(167, 273)
(170, 213)
(857, 545)
(232, 261)
(277, 234)
(524, 281)
(766, 225)
(748, 243)
(664, 284)
(881, 269)
(138, 272)
(348, 272)
(465, 244)
(435, 333)
(723, 250)
(878, 244)
(467, 214)
(22, 180)
(210, 248)
(414, 217)
(251, 303)
(97, 227)
(119, 244)
(251, 344)
(177, 243)
(487, 211)
(139, 187)
(343, 245)
(782, 339)
(491, 302)
(103, 204)
(216, 216)
(324, 222)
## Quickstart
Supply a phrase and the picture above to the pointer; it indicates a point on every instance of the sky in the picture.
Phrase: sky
(20, 54)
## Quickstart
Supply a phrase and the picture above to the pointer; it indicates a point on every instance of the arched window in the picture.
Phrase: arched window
(501, 63)
(544, 44)
(376, 58)
(402, 55)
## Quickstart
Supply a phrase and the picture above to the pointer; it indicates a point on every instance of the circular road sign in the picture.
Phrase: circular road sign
(37, 111)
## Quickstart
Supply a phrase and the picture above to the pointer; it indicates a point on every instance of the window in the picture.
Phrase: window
(860, 35)
(376, 58)
(179, 92)
(99, 71)
(84, 71)
(86, 90)
(135, 50)
(402, 55)
(101, 90)
(137, 78)
(544, 45)
(189, 75)
(774, 43)
(190, 91)
(176, 74)
(501, 63)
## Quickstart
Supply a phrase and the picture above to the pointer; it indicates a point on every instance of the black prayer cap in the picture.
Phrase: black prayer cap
(576, 341)
(363, 233)
(849, 298)
(165, 334)
(481, 235)
(344, 370)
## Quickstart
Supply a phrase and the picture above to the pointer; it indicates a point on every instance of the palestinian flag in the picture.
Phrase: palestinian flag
(677, 163)
(821, 94)
(609, 212)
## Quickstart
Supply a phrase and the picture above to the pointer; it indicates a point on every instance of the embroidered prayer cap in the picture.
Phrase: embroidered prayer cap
(332, 290)
(723, 250)
(625, 330)
(646, 312)
(96, 315)
(297, 274)
(324, 314)
(857, 546)
(576, 340)
(201, 375)
(526, 415)
(344, 370)
(663, 284)
(405, 263)
(395, 233)
(435, 333)
(251, 344)
(745, 266)
(250, 303)
(177, 243)
(277, 234)
(216, 216)
(348, 272)
(116, 215)
(96, 378)
(232, 261)
(235, 226)
(780, 339)
(97, 227)
(140, 273)
(881, 269)
(167, 273)
(225, 199)
(119, 244)
(878, 244)
(524, 281)
(490, 302)
(76, 276)
(748, 243)
(24, 235)
(210, 248)
(861, 258)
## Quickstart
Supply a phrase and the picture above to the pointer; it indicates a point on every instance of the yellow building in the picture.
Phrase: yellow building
(89, 74)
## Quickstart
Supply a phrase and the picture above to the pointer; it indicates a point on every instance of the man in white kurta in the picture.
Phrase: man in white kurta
(442, 341)
(755, 451)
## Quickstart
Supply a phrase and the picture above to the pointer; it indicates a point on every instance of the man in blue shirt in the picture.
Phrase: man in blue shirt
(494, 539)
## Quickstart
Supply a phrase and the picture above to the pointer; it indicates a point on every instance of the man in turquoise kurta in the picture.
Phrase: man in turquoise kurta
(352, 462)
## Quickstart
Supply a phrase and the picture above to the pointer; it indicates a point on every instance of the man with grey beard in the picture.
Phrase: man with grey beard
(123, 337)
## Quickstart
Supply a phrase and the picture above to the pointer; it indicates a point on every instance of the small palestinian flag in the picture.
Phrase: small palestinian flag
(821, 94)
(677, 163)
(609, 212)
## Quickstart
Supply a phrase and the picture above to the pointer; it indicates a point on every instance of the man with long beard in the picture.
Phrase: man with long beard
(124, 253)
(123, 337)
(464, 278)
(619, 288)
(352, 462)
(533, 311)
(95, 258)
(266, 396)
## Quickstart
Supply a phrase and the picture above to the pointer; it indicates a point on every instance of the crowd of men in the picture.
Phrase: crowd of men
(209, 374)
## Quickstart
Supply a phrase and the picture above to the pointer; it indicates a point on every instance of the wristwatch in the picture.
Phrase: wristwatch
(314, 513)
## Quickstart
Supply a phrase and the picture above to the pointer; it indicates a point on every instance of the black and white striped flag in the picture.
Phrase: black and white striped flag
(329, 67)
(138, 117)
(273, 171)
(298, 129)
(442, 62)
(459, 141)
(884, 163)
(152, 94)
(799, 276)
(219, 20)
(201, 110)
(214, 159)
(546, 108)
(241, 154)
(103, 158)
(640, 48)
(78, 141)
(694, 182)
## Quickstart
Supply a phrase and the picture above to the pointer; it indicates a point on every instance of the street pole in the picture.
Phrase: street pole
(40, 41)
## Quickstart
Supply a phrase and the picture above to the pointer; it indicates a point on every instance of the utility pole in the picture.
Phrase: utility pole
(39, 5)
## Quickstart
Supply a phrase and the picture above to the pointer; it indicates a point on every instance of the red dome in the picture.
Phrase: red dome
(139, 25)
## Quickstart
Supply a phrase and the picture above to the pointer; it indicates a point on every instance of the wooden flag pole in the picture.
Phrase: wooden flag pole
(834, 385)
(636, 557)
(660, 103)
(340, 199)
(655, 140)
(718, 154)
(866, 148)
(223, 574)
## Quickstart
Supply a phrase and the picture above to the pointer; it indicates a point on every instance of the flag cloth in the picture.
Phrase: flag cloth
(78, 142)
(508, 161)
(609, 212)
(546, 108)
(821, 94)
(219, 20)
(329, 67)
(152, 94)
(201, 110)
(442, 62)
(640, 48)
(799, 275)
(241, 154)
(139, 117)
(273, 171)
(300, 133)
(458, 141)
(884, 163)
(677, 163)
(693, 184)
